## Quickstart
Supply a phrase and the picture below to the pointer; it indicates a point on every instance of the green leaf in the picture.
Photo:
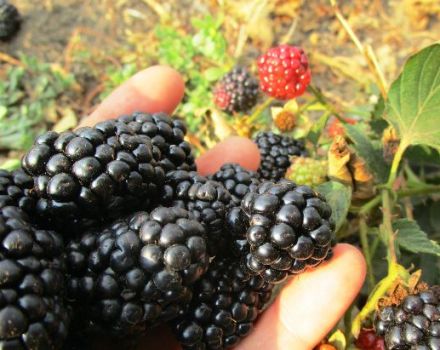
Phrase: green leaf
(337, 339)
(338, 196)
(413, 106)
(213, 73)
(366, 150)
(413, 239)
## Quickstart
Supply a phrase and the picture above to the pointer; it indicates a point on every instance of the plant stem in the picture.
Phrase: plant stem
(370, 205)
(395, 165)
(323, 100)
(260, 108)
(416, 191)
(363, 231)
(387, 227)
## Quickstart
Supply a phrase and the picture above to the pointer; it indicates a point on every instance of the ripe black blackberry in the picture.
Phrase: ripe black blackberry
(237, 180)
(137, 272)
(9, 20)
(32, 311)
(276, 151)
(287, 229)
(413, 324)
(227, 301)
(207, 200)
(14, 190)
(102, 172)
(237, 91)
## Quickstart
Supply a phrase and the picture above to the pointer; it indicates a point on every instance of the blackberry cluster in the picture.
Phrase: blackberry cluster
(237, 91)
(9, 20)
(413, 324)
(227, 301)
(32, 310)
(237, 180)
(207, 200)
(14, 190)
(99, 172)
(137, 272)
(288, 229)
(276, 151)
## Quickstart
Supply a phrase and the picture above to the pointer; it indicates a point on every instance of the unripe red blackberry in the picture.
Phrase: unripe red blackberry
(9, 20)
(208, 200)
(284, 72)
(288, 229)
(412, 324)
(32, 311)
(227, 301)
(237, 180)
(369, 340)
(116, 167)
(237, 91)
(276, 151)
(137, 272)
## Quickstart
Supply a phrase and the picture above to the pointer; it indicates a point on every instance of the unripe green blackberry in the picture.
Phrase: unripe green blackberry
(276, 151)
(237, 180)
(116, 167)
(9, 20)
(237, 91)
(137, 272)
(32, 311)
(208, 200)
(412, 324)
(227, 301)
(287, 229)
(307, 171)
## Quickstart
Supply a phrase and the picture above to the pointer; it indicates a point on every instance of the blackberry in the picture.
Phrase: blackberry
(413, 324)
(14, 190)
(9, 20)
(237, 180)
(137, 272)
(226, 303)
(307, 171)
(288, 228)
(32, 310)
(276, 151)
(206, 199)
(103, 172)
(237, 91)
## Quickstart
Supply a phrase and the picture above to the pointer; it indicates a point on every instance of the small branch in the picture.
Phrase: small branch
(395, 165)
(323, 100)
(387, 227)
(370, 205)
(11, 60)
(260, 109)
(418, 191)
(363, 231)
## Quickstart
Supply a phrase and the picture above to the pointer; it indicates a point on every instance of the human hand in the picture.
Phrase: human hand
(311, 303)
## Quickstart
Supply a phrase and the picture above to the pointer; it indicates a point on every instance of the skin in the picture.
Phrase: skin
(310, 304)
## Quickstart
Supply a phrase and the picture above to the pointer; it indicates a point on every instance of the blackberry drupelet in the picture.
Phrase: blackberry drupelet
(94, 173)
(14, 190)
(226, 303)
(237, 180)
(9, 20)
(288, 228)
(137, 272)
(32, 311)
(206, 199)
(276, 151)
(413, 324)
(237, 91)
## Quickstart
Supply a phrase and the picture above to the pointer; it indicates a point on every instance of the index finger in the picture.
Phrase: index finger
(155, 89)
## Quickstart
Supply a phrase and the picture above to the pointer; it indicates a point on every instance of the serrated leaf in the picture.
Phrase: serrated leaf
(412, 238)
(338, 196)
(413, 106)
(366, 150)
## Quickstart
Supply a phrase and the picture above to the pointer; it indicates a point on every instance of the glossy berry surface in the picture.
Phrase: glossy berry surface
(9, 20)
(284, 72)
(276, 151)
(369, 340)
(32, 311)
(14, 190)
(136, 272)
(413, 324)
(116, 167)
(226, 303)
(288, 229)
(237, 91)
(237, 180)
(208, 200)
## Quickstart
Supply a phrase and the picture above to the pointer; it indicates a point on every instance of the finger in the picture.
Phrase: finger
(155, 89)
(311, 304)
(233, 150)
